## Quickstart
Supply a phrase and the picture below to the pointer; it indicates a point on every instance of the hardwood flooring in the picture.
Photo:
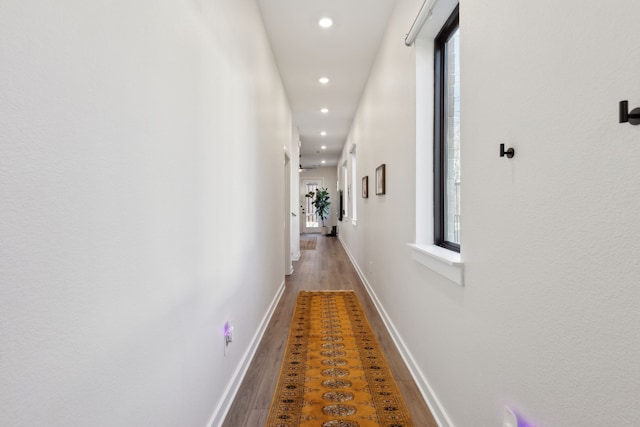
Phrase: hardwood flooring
(326, 268)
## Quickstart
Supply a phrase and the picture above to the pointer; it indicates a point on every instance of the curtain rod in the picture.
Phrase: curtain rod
(423, 15)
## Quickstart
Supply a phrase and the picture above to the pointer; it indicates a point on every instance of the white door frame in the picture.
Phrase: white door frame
(303, 203)
(288, 266)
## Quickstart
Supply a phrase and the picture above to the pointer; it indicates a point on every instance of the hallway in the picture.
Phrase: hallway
(326, 267)
(148, 182)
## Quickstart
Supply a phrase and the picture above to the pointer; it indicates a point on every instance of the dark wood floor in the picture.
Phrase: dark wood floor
(325, 268)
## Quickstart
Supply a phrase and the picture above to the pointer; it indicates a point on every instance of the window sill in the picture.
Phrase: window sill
(443, 261)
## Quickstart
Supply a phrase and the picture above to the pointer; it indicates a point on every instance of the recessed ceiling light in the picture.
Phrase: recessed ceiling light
(323, 162)
(323, 133)
(324, 80)
(324, 147)
(325, 22)
(324, 110)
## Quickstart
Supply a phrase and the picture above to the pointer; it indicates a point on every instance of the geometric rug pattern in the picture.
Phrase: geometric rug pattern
(333, 373)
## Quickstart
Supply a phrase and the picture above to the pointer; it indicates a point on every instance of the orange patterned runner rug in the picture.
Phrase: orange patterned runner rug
(334, 373)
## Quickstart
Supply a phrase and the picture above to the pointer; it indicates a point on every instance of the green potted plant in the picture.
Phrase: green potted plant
(320, 201)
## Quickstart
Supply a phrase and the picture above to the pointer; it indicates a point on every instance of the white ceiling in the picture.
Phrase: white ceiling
(305, 52)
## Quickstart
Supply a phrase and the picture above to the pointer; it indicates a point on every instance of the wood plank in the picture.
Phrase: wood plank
(326, 268)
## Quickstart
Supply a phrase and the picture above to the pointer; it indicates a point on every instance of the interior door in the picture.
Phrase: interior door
(310, 222)
(288, 266)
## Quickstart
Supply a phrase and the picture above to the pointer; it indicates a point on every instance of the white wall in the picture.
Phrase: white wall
(136, 141)
(547, 322)
(328, 174)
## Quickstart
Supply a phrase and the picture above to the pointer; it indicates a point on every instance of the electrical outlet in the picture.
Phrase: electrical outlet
(228, 333)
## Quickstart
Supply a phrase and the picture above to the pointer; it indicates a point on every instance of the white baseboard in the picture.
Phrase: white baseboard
(425, 388)
(229, 394)
(296, 257)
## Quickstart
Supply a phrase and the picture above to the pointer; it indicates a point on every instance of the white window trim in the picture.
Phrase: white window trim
(345, 198)
(442, 261)
(354, 184)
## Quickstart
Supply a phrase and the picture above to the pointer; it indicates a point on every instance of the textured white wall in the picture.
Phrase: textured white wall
(133, 140)
(548, 320)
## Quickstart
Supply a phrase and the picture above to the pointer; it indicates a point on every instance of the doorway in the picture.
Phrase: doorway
(288, 266)
(310, 222)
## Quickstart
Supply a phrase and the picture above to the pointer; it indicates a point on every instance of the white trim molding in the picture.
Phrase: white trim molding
(429, 395)
(220, 413)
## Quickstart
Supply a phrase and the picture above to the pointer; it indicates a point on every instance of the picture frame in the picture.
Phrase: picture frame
(365, 187)
(380, 179)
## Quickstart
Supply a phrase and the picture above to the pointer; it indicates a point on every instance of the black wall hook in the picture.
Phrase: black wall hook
(625, 117)
(509, 152)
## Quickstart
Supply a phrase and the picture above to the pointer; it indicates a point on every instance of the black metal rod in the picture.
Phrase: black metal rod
(624, 111)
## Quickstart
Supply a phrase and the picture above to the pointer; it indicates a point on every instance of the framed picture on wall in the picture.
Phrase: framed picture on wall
(380, 178)
(365, 187)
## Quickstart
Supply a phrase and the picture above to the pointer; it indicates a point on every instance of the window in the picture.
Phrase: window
(346, 189)
(353, 192)
(436, 249)
(447, 135)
